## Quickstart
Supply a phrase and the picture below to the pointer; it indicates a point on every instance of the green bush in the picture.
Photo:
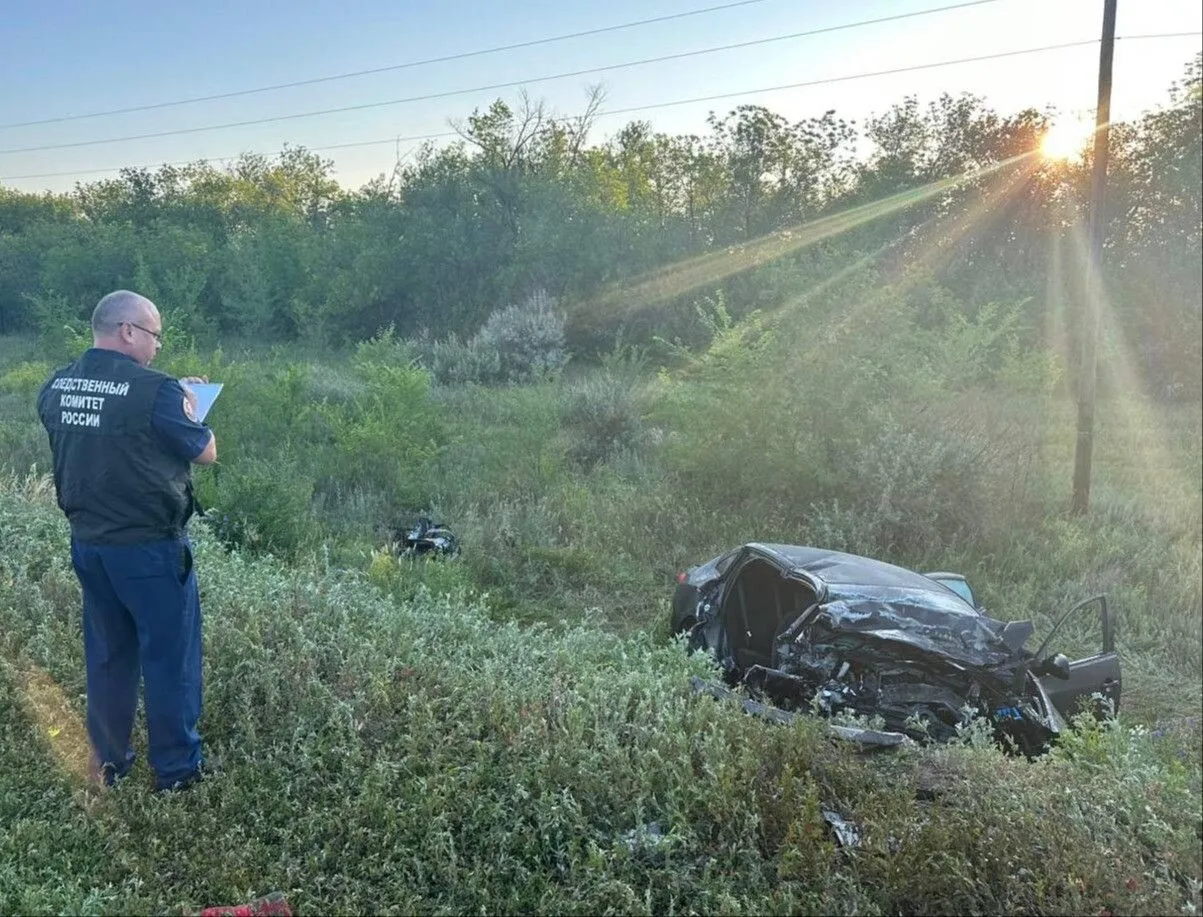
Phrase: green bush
(455, 362)
(23, 441)
(25, 379)
(385, 437)
(63, 334)
(529, 339)
(604, 415)
(518, 344)
(262, 507)
(334, 384)
(889, 481)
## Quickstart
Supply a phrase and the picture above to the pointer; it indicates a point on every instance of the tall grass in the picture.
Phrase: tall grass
(582, 497)
(513, 732)
(418, 756)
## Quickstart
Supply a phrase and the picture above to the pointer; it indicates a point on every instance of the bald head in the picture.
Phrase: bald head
(128, 323)
(119, 306)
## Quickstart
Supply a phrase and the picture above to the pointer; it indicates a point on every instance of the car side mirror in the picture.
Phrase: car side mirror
(1057, 666)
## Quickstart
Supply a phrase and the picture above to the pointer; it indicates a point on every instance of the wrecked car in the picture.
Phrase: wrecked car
(810, 630)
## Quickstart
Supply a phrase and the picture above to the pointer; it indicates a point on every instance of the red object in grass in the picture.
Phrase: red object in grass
(273, 905)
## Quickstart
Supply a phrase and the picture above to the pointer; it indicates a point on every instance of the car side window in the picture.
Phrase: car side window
(957, 584)
(961, 588)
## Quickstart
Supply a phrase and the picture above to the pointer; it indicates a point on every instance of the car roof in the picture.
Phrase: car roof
(873, 597)
(843, 572)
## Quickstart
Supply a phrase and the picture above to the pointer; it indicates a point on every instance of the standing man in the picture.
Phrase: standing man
(124, 439)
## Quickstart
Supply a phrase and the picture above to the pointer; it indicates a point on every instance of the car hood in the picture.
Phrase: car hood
(918, 621)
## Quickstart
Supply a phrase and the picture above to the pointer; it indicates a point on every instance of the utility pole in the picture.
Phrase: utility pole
(1087, 382)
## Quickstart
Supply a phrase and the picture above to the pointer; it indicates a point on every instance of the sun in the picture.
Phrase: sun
(1066, 139)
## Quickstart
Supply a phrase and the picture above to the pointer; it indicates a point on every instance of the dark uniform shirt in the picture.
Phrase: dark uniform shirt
(180, 433)
(123, 440)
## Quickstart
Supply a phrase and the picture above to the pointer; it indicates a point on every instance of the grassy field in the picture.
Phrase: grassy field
(514, 732)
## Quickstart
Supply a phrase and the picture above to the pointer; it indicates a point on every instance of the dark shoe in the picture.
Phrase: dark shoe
(208, 768)
(107, 774)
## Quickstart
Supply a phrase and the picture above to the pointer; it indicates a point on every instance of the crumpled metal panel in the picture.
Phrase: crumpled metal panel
(970, 639)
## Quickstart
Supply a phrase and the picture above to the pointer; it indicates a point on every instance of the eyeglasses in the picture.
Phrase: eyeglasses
(157, 335)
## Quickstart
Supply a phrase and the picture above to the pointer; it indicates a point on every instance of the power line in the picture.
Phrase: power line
(404, 66)
(468, 54)
(1158, 35)
(491, 86)
(892, 71)
(693, 100)
(185, 162)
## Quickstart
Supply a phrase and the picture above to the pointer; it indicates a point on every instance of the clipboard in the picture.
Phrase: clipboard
(206, 394)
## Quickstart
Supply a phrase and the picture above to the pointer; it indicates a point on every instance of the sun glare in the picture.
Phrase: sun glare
(1066, 139)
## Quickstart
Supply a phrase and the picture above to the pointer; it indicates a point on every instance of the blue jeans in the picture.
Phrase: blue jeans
(142, 617)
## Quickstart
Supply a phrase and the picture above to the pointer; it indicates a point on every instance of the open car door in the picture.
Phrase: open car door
(1097, 674)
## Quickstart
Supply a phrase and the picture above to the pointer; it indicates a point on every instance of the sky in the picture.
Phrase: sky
(70, 58)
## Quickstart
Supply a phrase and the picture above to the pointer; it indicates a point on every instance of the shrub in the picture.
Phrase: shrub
(455, 362)
(892, 477)
(327, 383)
(605, 416)
(263, 507)
(384, 349)
(529, 339)
(25, 378)
(992, 346)
(518, 344)
(23, 442)
(387, 435)
(63, 336)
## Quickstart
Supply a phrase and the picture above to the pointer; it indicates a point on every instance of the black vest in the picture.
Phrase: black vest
(116, 482)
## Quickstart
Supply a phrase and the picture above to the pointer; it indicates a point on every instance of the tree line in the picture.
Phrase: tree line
(524, 201)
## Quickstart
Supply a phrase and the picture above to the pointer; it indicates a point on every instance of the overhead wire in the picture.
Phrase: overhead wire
(508, 84)
(890, 72)
(656, 105)
(464, 55)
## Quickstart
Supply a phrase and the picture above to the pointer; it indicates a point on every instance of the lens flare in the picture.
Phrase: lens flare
(702, 271)
(1067, 139)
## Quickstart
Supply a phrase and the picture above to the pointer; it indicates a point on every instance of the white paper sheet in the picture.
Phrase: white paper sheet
(206, 393)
